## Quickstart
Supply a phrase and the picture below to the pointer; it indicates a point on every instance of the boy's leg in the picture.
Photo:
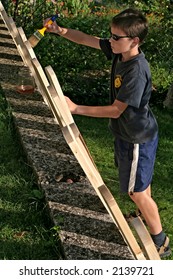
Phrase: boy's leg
(135, 164)
(149, 210)
(149, 190)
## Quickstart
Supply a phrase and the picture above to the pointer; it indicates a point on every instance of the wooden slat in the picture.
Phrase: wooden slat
(120, 221)
(19, 40)
(150, 250)
(53, 81)
(23, 46)
(59, 106)
(11, 26)
(66, 113)
(67, 124)
(28, 54)
(146, 241)
(6, 20)
(43, 82)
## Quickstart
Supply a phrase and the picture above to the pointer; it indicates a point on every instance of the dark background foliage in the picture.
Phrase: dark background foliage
(84, 72)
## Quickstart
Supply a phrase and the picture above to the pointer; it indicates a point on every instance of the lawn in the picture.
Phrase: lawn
(26, 231)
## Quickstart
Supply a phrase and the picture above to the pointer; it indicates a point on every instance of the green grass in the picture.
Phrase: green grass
(25, 228)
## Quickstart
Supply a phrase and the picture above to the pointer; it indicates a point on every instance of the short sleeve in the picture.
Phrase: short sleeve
(132, 88)
(106, 48)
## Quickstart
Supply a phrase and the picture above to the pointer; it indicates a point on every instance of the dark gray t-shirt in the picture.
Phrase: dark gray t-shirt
(131, 84)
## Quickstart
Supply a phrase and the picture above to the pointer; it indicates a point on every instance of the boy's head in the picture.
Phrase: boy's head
(132, 22)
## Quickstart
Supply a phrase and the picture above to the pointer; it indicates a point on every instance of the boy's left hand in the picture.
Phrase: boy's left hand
(72, 106)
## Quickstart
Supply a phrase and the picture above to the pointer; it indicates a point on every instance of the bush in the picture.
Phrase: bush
(83, 72)
(158, 49)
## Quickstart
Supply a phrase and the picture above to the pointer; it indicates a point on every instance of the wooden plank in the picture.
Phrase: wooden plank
(92, 174)
(11, 26)
(29, 54)
(25, 50)
(71, 134)
(58, 110)
(59, 98)
(66, 113)
(66, 124)
(17, 34)
(19, 38)
(146, 241)
(150, 250)
(62, 106)
(1, 6)
(43, 82)
(120, 220)
(6, 20)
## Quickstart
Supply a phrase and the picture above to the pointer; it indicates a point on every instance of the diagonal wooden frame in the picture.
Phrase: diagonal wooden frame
(72, 137)
(23, 46)
(143, 234)
(13, 30)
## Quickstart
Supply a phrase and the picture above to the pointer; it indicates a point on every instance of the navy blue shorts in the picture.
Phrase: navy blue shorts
(135, 164)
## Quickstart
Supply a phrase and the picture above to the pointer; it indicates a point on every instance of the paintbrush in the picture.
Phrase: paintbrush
(39, 34)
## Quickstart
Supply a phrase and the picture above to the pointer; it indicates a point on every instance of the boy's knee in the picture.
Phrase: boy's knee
(136, 196)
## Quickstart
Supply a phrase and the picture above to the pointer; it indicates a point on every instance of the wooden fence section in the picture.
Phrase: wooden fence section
(53, 96)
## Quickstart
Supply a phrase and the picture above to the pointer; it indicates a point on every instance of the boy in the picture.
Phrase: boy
(131, 120)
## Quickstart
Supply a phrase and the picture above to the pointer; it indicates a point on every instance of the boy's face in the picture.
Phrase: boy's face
(120, 44)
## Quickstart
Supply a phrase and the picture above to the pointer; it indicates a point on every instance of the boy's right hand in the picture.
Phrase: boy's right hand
(52, 28)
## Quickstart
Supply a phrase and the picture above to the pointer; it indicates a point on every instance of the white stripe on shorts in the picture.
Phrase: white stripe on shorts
(134, 166)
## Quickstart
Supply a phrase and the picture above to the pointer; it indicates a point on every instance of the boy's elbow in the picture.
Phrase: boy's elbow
(118, 108)
(116, 113)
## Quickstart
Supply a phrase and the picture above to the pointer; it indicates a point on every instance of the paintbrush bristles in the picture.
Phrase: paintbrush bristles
(33, 40)
(39, 34)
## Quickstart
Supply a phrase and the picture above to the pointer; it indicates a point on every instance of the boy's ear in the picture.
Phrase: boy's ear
(136, 41)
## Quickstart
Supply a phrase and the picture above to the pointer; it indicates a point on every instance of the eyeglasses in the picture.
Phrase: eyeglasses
(117, 37)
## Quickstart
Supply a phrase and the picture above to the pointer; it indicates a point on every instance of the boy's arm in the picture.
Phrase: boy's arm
(111, 111)
(74, 35)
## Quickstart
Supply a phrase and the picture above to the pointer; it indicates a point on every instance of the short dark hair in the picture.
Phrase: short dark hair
(132, 22)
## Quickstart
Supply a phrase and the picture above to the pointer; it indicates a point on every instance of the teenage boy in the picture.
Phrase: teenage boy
(131, 120)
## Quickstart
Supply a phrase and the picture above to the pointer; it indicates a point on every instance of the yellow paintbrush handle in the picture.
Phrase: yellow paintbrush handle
(42, 30)
(51, 20)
